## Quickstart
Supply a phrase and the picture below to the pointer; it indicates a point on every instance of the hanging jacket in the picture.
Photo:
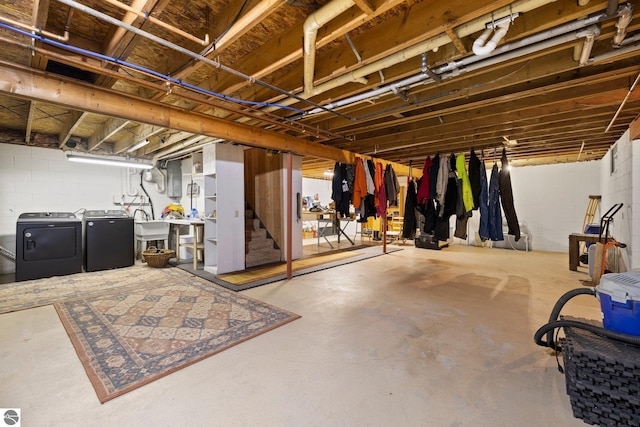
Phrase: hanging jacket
(359, 185)
(381, 194)
(467, 196)
(392, 186)
(424, 189)
(433, 172)
(409, 225)
(351, 176)
(369, 172)
(495, 216)
(336, 184)
(506, 197)
(474, 178)
(441, 183)
(450, 205)
(483, 205)
(340, 189)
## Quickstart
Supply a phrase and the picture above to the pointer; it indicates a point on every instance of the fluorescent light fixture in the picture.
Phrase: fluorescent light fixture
(127, 163)
(138, 146)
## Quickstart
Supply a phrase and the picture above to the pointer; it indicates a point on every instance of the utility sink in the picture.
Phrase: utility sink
(151, 230)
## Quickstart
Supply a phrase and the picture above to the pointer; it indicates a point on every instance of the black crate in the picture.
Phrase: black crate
(602, 378)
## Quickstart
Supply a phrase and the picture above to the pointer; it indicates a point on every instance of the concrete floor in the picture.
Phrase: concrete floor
(412, 338)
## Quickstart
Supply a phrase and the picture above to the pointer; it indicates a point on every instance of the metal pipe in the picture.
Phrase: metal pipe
(175, 147)
(418, 49)
(190, 149)
(353, 48)
(624, 18)
(604, 57)
(189, 53)
(589, 39)
(538, 41)
(36, 30)
(147, 17)
(612, 7)
(254, 114)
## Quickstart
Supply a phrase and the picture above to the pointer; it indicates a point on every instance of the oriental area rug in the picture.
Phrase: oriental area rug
(128, 337)
(36, 293)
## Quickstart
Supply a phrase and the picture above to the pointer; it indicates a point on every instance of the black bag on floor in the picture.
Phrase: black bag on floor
(426, 241)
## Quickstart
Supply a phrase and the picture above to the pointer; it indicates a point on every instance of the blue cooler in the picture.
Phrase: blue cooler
(619, 296)
(591, 229)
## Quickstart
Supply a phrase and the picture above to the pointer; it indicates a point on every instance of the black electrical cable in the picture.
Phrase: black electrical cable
(153, 216)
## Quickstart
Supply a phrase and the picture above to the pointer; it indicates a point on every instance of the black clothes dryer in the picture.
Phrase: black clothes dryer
(108, 240)
(48, 244)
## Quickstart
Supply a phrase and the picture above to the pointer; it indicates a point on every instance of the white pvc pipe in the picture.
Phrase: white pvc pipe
(537, 41)
(432, 43)
(310, 28)
(482, 47)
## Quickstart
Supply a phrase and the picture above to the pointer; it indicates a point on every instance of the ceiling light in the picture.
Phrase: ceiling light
(127, 163)
(138, 146)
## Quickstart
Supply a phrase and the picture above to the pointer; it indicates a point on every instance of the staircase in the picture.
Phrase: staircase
(260, 248)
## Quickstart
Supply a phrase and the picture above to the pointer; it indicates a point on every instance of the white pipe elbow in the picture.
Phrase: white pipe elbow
(483, 47)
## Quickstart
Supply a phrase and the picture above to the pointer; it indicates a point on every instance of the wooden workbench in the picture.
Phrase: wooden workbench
(574, 247)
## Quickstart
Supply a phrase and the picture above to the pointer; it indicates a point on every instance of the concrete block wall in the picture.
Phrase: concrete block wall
(551, 200)
(42, 180)
(620, 168)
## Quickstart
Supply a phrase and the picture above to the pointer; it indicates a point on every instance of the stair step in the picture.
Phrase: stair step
(251, 224)
(258, 245)
(248, 214)
(250, 235)
(263, 257)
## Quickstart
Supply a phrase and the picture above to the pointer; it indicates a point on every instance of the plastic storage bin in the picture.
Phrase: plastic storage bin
(619, 296)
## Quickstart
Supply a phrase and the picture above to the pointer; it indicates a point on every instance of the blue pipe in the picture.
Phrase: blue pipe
(156, 74)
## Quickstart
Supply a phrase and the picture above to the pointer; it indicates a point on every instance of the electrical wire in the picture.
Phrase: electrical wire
(145, 70)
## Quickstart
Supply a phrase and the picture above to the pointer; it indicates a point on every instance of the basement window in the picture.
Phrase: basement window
(69, 71)
(614, 158)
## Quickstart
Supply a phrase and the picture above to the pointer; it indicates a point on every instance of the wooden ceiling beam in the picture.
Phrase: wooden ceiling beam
(71, 124)
(421, 22)
(142, 132)
(39, 20)
(494, 109)
(28, 84)
(106, 131)
(258, 11)
(287, 48)
(27, 132)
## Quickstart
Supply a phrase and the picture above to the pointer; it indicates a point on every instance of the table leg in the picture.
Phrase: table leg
(342, 231)
(321, 231)
(177, 227)
(195, 246)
